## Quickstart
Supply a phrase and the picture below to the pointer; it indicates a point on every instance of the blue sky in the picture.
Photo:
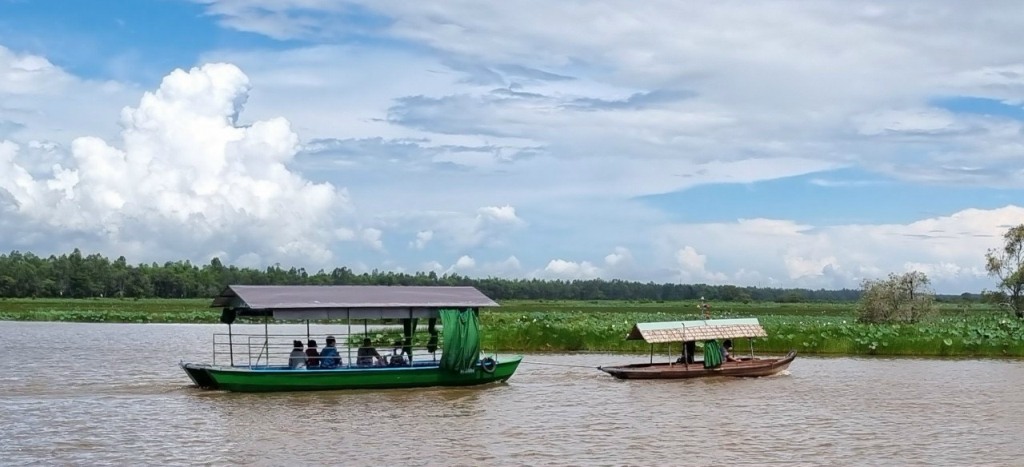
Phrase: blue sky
(779, 144)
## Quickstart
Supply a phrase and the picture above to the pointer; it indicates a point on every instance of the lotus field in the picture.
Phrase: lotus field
(811, 328)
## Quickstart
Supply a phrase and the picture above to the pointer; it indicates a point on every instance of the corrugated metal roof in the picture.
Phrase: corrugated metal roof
(348, 297)
(698, 330)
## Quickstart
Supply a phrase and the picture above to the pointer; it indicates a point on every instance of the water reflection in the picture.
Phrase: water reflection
(113, 395)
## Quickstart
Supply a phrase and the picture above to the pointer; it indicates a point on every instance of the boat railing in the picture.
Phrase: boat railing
(273, 350)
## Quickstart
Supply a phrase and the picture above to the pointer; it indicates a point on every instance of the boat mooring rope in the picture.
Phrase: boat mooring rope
(560, 364)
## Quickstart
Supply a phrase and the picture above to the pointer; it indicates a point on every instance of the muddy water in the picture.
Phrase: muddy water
(94, 394)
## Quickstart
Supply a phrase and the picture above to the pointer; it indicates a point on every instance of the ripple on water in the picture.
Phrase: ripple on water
(94, 405)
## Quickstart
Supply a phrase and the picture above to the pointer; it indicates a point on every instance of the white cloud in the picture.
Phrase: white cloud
(465, 262)
(42, 106)
(800, 267)
(29, 74)
(950, 249)
(422, 238)
(372, 238)
(464, 265)
(926, 120)
(693, 266)
(620, 257)
(493, 131)
(184, 178)
(569, 270)
(498, 215)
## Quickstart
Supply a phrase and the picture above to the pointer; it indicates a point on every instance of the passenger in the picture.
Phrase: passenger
(297, 359)
(689, 348)
(329, 357)
(397, 357)
(367, 354)
(727, 351)
(312, 356)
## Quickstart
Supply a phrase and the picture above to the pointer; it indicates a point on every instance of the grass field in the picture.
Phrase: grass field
(810, 328)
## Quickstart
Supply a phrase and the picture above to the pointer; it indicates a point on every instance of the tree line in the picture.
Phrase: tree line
(74, 275)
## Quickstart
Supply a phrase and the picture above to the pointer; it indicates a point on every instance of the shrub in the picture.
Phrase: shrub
(900, 298)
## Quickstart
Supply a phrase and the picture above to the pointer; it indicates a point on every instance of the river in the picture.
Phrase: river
(112, 394)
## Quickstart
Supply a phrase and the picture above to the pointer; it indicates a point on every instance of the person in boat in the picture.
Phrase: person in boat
(367, 355)
(727, 351)
(312, 356)
(329, 357)
(297, 359)
(397, 355)
(689, 349)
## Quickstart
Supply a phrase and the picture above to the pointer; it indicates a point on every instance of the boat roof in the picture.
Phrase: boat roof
(696, 330)
(349, 301)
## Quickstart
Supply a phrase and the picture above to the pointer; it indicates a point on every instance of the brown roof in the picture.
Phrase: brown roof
(311, 297)
(697, 330)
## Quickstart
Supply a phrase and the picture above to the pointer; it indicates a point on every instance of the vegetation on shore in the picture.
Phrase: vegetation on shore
(78, 275)
(899, 315)
(968, 330)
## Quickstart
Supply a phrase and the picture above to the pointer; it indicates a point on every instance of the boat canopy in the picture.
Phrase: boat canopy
(697, 330)
(348, 301)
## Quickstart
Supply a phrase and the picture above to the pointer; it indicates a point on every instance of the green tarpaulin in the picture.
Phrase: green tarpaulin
(461, 339)
(712, 354)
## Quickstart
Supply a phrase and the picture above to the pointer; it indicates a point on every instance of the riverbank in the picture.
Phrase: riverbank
(532, 326)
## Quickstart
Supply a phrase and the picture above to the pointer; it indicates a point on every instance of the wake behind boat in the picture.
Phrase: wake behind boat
(261, 363)
(715, 363)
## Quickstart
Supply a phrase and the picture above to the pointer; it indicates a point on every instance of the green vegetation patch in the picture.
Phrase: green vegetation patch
(564, 326)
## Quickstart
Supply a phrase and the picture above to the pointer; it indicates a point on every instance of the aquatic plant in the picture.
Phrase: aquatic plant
(811, 328)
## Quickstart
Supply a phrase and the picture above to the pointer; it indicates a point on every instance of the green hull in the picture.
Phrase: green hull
(269, 380)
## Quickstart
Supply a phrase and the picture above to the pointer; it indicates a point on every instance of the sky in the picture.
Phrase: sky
(767, 144)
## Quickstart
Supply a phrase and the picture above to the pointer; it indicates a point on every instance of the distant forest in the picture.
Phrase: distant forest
(25, 275)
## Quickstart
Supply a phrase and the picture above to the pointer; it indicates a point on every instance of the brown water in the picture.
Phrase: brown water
(93, 394)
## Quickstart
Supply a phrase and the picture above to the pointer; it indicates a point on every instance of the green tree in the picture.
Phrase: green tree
(1007, 265)
(899, 298)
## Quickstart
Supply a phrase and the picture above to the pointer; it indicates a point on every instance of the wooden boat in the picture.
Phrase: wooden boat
(251, 365)
(694, 331)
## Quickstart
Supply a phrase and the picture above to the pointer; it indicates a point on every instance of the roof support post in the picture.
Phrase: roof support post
(231, 348)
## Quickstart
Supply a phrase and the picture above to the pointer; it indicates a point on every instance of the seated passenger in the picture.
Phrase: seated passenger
(727, 351)
(296, 359)
(312, 356)
(397, 357)
(329, 357)
(689, 349)
(367, 354)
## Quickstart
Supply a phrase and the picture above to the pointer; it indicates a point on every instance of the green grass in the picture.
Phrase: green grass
(810, 328)
(108, 310)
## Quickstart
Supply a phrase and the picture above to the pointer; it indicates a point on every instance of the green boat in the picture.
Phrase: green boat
(258, 362)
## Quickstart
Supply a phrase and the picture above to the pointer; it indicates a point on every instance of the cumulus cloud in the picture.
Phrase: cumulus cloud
(422, 238)
(184, 177)
(493, 132)
(569, 270)
(950, 249)
(29, 74)
(693, 266)
(710, 95)
(487, 227)
(621, 256)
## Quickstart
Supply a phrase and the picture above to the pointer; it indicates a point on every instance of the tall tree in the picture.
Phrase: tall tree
(900, 298)
(1007, 265)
